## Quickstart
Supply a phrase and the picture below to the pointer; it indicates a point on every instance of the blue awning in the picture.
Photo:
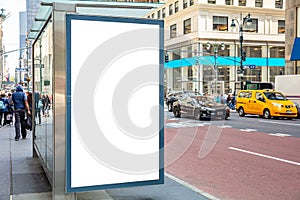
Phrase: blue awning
(296, 50)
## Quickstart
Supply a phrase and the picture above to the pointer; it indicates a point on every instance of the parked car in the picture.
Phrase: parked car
(298, 109)
(200, 107)
(172, 97)
(265, 103)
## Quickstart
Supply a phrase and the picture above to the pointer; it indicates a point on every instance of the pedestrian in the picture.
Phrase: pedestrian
(38, 106)
(8, 117)
(3, 108)
(29, 116)
(20, 106)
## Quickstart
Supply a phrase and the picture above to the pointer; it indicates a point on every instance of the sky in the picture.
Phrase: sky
(11, 30)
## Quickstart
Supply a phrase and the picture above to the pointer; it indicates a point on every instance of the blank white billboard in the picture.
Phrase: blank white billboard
(114, 102)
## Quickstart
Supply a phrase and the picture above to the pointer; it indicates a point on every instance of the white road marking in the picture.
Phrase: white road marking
(248, 130)
(265, 156)
(272, 122)
(224, 126)
(280, 134)
(184, 124)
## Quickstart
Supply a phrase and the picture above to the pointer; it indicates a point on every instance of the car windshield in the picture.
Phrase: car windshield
(275, 96)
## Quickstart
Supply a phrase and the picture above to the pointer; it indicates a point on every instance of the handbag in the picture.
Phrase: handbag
(40, 104)
(28, 122)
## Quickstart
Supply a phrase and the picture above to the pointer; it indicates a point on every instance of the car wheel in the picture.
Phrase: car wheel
(267, 114)
(197, 114)
(176, 111)
(170, 107)
(241, 112)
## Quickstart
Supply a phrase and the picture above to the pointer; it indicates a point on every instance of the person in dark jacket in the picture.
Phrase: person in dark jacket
(20, 106)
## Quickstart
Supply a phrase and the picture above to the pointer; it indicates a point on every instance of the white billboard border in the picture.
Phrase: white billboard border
(160, 23)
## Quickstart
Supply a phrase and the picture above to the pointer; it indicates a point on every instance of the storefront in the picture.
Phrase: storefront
(194, 67)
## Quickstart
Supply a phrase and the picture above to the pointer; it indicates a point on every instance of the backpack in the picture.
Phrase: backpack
(2, 106)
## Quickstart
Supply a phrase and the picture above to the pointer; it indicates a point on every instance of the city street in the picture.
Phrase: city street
(240, 158)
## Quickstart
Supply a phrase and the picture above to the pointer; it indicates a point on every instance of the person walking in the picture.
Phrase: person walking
(38, 106)
(3, 108)
(20, 106)
(9, 114)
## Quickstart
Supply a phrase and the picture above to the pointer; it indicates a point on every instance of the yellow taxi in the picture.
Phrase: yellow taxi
(265, 103)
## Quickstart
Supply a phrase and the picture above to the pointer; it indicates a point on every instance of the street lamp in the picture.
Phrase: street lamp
(248, 20)
(215, 48)
(27, 63)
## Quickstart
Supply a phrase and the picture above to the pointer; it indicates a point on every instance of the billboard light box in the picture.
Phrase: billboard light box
(114, 102)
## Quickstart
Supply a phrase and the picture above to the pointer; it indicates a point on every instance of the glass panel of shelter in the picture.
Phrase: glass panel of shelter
(43, 89)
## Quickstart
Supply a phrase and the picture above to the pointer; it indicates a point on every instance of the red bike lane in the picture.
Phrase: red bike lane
(241, 165)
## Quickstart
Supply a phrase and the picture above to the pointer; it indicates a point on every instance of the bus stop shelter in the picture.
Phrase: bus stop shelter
(90, 59)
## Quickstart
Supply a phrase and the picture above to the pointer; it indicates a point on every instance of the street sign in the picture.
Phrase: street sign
(250, 66)
(20, 69)
(39, 65)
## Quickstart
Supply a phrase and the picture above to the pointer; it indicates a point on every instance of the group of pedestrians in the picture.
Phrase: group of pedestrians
(20, 105)
(6, 109)
(228, 99)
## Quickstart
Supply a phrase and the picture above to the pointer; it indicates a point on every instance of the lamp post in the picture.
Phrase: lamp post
(27, 63)
(248, 20)
(215, 48)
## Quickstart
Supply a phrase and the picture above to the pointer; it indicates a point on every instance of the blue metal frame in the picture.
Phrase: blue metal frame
(69, 18)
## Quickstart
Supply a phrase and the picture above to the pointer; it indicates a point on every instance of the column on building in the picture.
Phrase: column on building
(169, 79)
(200, 69)
(265, 70)
(232, 69)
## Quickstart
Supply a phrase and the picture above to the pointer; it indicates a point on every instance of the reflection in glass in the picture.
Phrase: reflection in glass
(43, 100)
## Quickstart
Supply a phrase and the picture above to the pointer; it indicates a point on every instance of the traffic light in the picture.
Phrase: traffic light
(244, 56)
(166, 58)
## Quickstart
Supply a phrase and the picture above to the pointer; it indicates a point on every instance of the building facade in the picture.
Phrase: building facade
(204, 51)
(292, 31)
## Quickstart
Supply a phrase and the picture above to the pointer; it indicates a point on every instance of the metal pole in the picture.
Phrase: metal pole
(216, 69)
(2, 18)
(41, 85)
(27, 56)
(241, 49)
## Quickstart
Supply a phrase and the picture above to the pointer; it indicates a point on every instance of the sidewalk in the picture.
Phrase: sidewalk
(22, 178)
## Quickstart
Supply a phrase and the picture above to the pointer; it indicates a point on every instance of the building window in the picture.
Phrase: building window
(185, 4)
(158, 14)
(211, 1)
(171, 9)
(192, 2)
(279, 4)
(190, 74)
(277, 52)
(259, 3)
(176, 6)
(163, 12)
(242, 2)
(220, 23)
(152, 15)
(253, 27)
(229, 2)
(187, 26)
(173, 31)
(281, 26)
